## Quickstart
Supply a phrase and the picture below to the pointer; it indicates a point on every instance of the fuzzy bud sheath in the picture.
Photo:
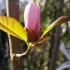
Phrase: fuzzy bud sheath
(32, 21)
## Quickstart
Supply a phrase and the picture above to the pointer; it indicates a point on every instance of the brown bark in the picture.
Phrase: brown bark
(13, 11)
(56, 39)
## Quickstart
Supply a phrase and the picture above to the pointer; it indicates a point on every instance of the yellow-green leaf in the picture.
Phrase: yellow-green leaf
(13, 27)
(50, 27)
(59, 21)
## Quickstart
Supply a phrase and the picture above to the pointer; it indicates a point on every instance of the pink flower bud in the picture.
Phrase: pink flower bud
(32, 20)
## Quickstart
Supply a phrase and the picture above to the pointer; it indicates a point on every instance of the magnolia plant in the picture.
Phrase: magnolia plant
(32, 20)
(31, 32)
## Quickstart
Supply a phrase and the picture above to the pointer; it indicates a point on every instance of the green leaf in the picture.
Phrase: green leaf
(13, 27)
(50, 27)
(59, 21)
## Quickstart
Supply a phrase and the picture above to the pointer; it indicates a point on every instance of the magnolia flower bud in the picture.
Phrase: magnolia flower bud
(32, 20)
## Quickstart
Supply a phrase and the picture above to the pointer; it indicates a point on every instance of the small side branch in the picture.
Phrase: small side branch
(61, 20)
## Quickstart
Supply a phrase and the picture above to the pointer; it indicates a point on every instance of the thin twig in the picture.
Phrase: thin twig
(10, 43)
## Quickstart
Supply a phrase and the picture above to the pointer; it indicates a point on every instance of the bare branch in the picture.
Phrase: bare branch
(61, 20)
